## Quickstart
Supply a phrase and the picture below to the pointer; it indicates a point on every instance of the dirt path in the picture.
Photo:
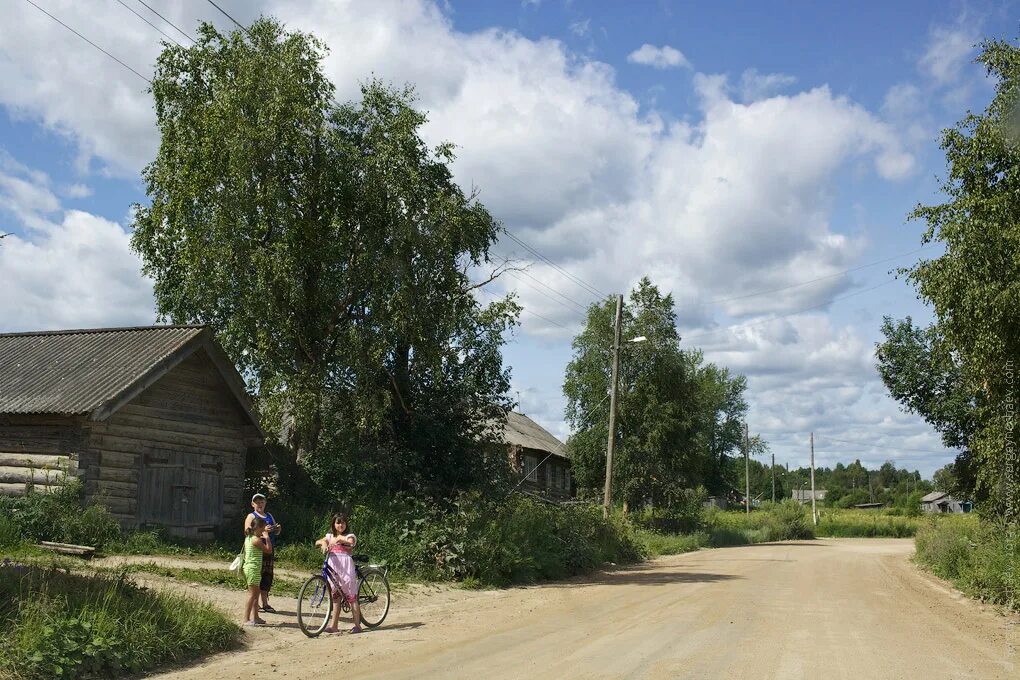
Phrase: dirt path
(850, 608)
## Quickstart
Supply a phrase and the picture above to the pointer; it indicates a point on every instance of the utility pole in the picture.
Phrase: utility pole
(814, 512)
(773, 477)
(747, 471)
(607, 497)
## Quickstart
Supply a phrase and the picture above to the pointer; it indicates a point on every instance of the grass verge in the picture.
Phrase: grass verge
(60, 624)
(981, 558)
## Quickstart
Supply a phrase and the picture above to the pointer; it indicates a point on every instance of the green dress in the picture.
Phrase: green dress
(252, 563)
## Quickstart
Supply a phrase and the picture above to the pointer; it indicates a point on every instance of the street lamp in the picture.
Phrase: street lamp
(607, 496)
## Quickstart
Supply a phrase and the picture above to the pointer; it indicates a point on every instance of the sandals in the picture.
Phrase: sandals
(253, 624)
(267, 608)
(331, 630)
(356, 629)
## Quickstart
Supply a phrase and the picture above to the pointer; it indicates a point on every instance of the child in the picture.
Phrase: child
(339, 544)
(256, 544)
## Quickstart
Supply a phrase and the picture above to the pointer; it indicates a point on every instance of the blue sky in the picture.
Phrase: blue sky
(724, 149)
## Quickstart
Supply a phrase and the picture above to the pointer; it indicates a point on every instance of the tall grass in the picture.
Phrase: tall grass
(57, 624)
(866, 524)
(981, 558)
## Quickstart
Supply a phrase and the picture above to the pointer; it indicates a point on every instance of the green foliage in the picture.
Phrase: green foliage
(783, 521)
(677, 417)
(330, 248)
(866, 524)
(282, 586)
(980, 558)
(657, 544)
(475, 539)
(57, 516)
(62, 625)
(974, 286)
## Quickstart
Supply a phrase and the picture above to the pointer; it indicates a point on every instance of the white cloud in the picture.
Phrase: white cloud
(75, 271)
(77, 190)
(658, 57)
(948, 51)
(581, 28)
(739, 198)
(78, 273)
(755, 86)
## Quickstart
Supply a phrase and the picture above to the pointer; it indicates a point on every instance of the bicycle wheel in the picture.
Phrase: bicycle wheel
(314, 606)
(373, 596)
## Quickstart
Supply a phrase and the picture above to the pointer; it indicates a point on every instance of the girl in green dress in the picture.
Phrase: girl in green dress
(256, 544)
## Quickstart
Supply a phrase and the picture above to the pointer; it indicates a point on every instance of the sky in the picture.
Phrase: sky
(757, 160)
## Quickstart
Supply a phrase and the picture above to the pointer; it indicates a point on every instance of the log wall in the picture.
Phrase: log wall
(41, 450)
(173, 453)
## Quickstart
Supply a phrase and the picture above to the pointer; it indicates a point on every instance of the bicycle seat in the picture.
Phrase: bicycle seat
(360, 558)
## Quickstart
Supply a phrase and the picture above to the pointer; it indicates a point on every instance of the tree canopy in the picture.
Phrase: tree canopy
(974, 290)
(330, 248)
(678, 417)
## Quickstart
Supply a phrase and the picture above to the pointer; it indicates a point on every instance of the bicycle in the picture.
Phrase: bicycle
(315, 597)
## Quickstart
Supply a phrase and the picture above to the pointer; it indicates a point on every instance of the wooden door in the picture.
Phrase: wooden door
(181, 490)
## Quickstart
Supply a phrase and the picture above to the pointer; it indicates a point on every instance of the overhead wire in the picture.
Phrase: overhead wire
(89, 41)
(579, 281)
(175, 26)
(164, 33)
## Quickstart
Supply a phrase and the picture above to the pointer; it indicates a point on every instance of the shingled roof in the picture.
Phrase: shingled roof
(95, 371)
(520, 430)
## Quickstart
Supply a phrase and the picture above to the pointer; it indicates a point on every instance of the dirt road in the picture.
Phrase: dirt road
(851, 608)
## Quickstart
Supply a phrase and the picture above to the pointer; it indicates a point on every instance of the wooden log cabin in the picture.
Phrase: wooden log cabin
(154, 420)
(539, 457)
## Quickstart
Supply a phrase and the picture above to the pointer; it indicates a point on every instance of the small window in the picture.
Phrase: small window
(531, 468)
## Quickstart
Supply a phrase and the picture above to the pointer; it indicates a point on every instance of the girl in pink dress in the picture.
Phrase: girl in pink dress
(338, 544)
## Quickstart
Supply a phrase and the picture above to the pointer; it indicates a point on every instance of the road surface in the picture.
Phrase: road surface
(841, 608)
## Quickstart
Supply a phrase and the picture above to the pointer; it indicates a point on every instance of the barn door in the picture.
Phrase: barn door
(162, 474)
(181, 489)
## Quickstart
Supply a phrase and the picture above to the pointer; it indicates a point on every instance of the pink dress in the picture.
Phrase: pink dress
(342, 563)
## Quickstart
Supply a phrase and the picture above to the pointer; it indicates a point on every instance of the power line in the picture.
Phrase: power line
(544, 318)
(162, 32)
(587, 286)
(89, 41)
(176, 27)
(545, 285)
(783, 316)
(224, 13)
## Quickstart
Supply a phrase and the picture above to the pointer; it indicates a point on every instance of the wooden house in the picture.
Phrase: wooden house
(942, 503)
(154, 420)
(539, 457)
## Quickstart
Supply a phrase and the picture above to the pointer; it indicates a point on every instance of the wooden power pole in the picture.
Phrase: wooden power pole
(607, 497)
(747, 471)
(814, 512)
(773, 477)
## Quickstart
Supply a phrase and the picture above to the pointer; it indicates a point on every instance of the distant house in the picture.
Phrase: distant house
(154, 420)
(539, 457)
(942, 502)
(803, 496)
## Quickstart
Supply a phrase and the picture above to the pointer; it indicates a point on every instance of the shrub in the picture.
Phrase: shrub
(981, 558)
(61, 625)
(787, 521)
(59, 516)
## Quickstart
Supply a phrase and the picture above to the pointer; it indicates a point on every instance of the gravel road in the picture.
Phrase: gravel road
(841, 608)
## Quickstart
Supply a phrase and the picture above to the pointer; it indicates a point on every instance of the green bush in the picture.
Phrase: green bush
(981, 558)
(473, 539)
(890, 523)
(61, 625)
(59, 516)
(672, 544)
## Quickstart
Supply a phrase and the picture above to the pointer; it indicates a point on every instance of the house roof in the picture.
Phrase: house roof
(933, 496)
(96, 371)
(520, 430)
